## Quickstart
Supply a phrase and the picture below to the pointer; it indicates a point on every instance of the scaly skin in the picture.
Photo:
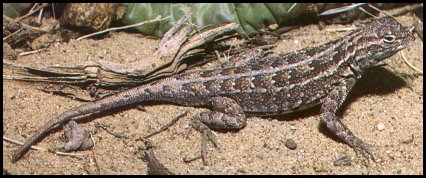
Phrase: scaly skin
(272, 85)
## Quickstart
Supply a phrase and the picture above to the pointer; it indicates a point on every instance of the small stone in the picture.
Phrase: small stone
(380, 126)
(290, 144)
(406, 139)
(77, 137)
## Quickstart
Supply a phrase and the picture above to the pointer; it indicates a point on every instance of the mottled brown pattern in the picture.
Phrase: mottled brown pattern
(269, 85)
(262, 81)
(243, 83)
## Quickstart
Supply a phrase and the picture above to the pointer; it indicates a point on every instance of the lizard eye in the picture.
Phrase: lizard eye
(389, 38)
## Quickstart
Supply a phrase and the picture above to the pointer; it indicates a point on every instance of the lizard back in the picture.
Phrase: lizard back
(297, 80)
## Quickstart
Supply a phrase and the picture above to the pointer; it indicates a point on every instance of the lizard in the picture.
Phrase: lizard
(260, 86)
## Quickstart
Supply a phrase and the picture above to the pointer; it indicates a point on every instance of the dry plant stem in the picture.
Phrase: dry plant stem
(291, 8)
(194, 42)
(116, 74)
(12, 21)
(42, 149)
(409, 64)
(165, 126)
(167, 45)
(419, 27)
(365, 11)
(158, 18)
(29, 52)
(139, 68)
(341, 9)
(14, 33)
(118, 135)
(28, 27)
(340, 29)
(31, 12)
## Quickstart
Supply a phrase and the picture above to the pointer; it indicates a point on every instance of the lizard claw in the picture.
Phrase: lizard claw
(363, 148)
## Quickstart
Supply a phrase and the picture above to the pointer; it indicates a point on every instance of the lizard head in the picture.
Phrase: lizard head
(383, 38)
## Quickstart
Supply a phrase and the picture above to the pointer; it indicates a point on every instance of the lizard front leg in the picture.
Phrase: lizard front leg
(226, 115)
(330, 105)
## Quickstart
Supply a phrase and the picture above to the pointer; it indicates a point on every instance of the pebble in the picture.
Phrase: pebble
(406, 139)
(290, 144)
(380, 126)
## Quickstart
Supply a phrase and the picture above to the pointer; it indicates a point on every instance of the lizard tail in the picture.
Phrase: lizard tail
(138, 94)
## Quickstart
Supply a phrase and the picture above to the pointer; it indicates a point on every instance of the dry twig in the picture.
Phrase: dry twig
(158, 18)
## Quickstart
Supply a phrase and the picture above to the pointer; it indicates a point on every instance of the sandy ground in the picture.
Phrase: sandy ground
(384, 109)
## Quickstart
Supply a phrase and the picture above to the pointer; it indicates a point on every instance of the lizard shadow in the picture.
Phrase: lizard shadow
(374, 81)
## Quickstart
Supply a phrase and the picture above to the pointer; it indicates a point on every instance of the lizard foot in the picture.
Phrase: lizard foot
(363, 148)
(226, 115)
(207, 135)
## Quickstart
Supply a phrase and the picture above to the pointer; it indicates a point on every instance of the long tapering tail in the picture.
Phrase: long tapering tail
(138, 94)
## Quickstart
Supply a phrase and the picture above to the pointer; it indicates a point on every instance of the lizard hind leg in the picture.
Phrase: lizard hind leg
(226, 115)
